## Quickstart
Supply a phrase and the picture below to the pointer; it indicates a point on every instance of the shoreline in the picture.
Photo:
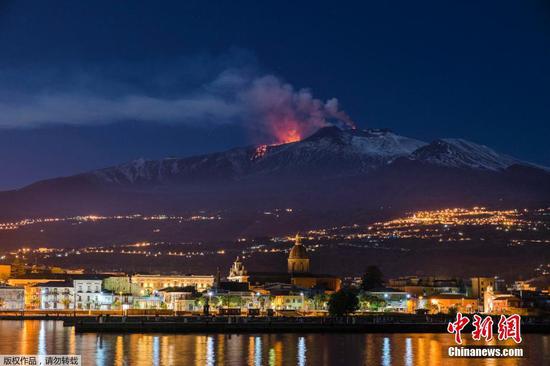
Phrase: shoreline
(261, 324)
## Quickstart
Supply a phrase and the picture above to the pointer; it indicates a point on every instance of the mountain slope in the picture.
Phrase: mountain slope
(329, 152)
(333, 170)
(459, 153)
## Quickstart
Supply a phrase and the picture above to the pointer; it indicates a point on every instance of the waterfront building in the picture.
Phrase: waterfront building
(87, 291)
(448, 303)
(29, 283)
(12, 298)
(233, 295)
(122, 300)
(389, 299)
(180, 298)
(479, 286)
(56, 295)
(286, 297)
(105, 300)
(147, 302)
(501, 303)
(151, 283)
(507, 304)
(427, 285)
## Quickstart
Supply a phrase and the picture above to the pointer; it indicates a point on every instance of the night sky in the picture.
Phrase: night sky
(88, 84)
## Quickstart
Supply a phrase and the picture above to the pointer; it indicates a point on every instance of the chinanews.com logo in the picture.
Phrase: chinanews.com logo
(508, 328)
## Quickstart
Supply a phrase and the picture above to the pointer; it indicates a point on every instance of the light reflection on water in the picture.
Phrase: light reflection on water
(301, 351)
(408, 352)
(386, 352)
(49, 337)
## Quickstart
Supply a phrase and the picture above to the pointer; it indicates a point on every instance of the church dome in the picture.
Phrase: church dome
(298, 251)
(298, 262)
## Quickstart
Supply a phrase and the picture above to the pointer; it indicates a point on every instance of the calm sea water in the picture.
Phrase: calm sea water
(49, 337)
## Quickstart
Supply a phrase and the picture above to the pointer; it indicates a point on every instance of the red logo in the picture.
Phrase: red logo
(483, 328)
(457, 326)
(508, 328)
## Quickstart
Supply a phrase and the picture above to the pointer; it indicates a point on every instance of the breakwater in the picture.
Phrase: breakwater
(236, 324)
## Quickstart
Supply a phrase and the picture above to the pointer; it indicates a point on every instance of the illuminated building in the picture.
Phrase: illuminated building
(298, 273)
(287, 301)
(151, 283)
(87, 293)
(507, 304)
(285, 297)
(392, 299)
(479, 286)
(33, 293)
(56, 295)
(501, 303)
(237, 273)
(179, 298)
(12, 298)
(298, 261)
(445, 303)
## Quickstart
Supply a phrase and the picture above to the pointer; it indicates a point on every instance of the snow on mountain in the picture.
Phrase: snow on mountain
(330, 152)
(210, 166)
(372, 142)
(343, 170)
(459, 153)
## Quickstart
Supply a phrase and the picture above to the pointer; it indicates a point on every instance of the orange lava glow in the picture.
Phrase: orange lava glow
(259, 152)
(287, 131)
(289, 136)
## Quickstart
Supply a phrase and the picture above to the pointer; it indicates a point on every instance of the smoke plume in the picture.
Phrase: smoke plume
(271, 109)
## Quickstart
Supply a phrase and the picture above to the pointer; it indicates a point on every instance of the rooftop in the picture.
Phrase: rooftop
(55, 284)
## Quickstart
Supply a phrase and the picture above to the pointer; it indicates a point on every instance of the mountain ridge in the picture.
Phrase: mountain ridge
(333, 169)
(365, 150)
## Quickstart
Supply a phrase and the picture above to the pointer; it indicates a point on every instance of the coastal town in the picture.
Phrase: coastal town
(293, 291)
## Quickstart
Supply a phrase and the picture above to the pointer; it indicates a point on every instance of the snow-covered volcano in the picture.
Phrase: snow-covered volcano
(330, 152)
(366, 168)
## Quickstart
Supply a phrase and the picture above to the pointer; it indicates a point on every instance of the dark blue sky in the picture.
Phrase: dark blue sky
(87, 84)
